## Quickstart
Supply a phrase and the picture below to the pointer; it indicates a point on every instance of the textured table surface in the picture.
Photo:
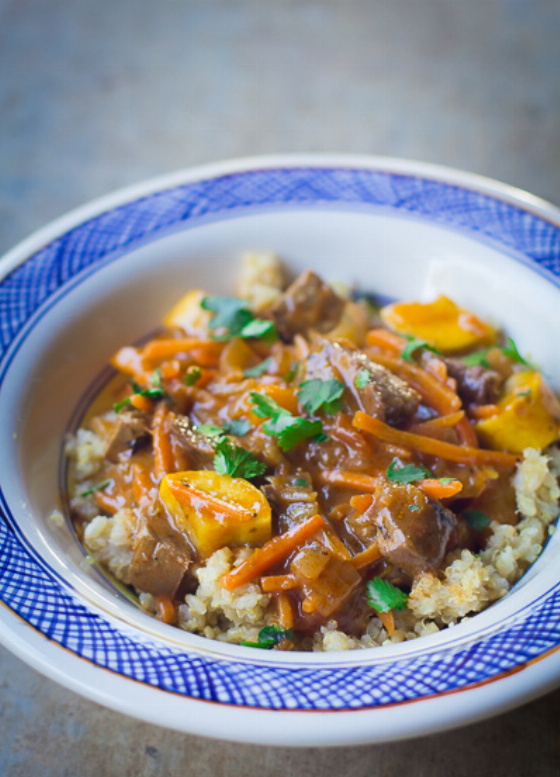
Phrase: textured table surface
(99, 94)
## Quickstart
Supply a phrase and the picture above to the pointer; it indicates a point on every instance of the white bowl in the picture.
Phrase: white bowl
(102, 277)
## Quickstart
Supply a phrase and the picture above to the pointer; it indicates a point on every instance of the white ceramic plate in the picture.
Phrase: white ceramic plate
(102, 277)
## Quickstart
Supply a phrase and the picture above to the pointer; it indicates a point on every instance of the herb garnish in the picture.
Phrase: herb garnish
(192, 375)
(237, 427)
(300, 482)
(235, 461)
(270, 636)
(154, 392)
(232, 318)
(406, 474)
(384, 596)
(318, 394)
(477, 359)
(362, 379)
(509, 349)
(290, 375)
(258, 369)
(98, 487)
(476, 519)
(289, 429)
(414, 343)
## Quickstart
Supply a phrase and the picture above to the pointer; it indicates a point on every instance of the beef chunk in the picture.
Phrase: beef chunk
(414, 533)
(383, 395)
(129, 432)
(307, 304)
(475, 384)
(196, 445)
(161, 556)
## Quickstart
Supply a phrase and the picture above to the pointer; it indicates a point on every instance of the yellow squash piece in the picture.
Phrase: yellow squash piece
(216, 510)
(442, 324)
(528, 418)
(188, 315)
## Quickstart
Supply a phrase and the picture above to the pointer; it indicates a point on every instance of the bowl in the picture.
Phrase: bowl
(103, 276)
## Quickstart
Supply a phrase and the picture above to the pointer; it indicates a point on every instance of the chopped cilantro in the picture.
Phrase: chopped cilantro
(362, 379)
(232, 317)
(156, 392)
(156, 378)
(413, 508)
(406, 474)
(208, 430)
(384, 596)
(236, 461)
(445, 481)
(270, 636)
(300, 482)
(510, 350)
(192, 375)
(258, 369)
(98, 487)
(476, 519)
(289, 429)
(318, 394)
(237, 427)
(477, 359)
(414, 343)
(290, 375)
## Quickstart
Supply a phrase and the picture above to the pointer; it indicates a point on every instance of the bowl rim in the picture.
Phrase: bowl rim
(540, 681)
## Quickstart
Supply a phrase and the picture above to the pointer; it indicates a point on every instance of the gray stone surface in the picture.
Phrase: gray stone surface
(98, 94)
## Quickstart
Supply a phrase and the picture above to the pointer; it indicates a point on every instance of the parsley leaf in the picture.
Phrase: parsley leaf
(192, 375)
(270, 636)
(406, 474)
(476, 519)
(316, 393)
(510, 350)
(258, 369)
(384, 596)
(98, 487)
(362, 379)
(236, 461)
(289, 429)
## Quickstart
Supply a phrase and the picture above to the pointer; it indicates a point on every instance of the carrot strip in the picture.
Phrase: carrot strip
(382, 338)
(435, 489)
(479, 412)
(435, 393)
(361, 502)
(366, 557)
(273, 583)
(467, 434)
(167, 612)
(388, 621)
(444, 450)
(285, 611)
(163, 451)
(274, 551)
(140, 402)
(108, 502)
(196, 498)
(339, 477)
(441, 422)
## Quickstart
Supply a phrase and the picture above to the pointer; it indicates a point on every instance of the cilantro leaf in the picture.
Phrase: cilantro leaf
(384, 596)
(362, 379)
(476, 519)
(192, 375)
(230, 313)
(258, 369)
(445, 481)
(270, 636)
(236, 461)
(98, 487)
(265, 407)
(237, 427)
(510, 350)
(476, 359)
(406, 474)
(291, 430)
(300, 482)
(152, 393)
(414, 343)
(260, 327)
(209, 430)
(291, 374)
(316, 393)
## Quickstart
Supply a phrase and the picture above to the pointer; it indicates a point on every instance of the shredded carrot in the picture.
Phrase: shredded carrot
(163, 451)
(388, 621)
(285, 611)
(273, 583)
(167, 612)
(141, 402)
(435, 393)
(382, 338)
(444, 450)
(339, 477)
(196, 498)
(366, 557)
(361, 502)
(435, 489)
(435, 426)
(274, 551)
(466, 432)
(479, 412)
(157, 351)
